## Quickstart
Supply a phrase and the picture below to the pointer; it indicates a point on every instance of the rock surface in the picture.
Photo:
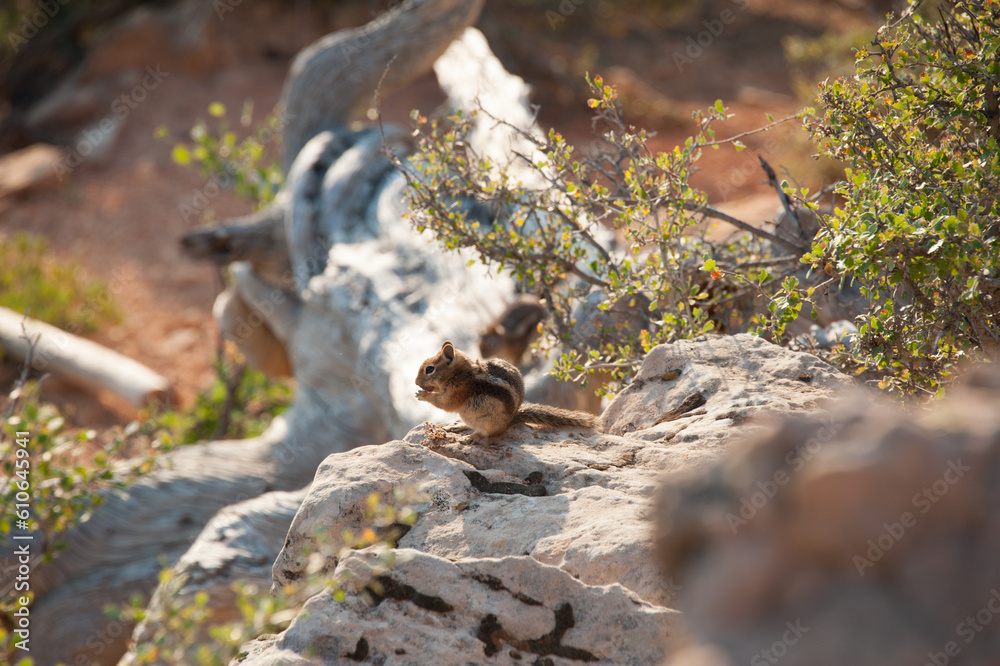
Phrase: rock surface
(544, 503)
(866, 537)
(429, 610)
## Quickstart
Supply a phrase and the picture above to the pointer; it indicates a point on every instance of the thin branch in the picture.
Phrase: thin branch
(992, 112)
(377, 102)
(763, 263)
(569, 221)
(575, 270)
(587, 369)
(725, 217)
(735, 137)
(603, 366)
(744, 279)
(772, 180)
(17, 393)
(825, 283)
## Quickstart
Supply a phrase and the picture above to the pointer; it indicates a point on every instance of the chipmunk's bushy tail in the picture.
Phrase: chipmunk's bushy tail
(555, 417)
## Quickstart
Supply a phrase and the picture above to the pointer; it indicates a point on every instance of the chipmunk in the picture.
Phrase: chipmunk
(488, 396)
(513, 331)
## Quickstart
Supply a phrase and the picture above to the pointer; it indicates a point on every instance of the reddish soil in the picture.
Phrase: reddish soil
(122, 219)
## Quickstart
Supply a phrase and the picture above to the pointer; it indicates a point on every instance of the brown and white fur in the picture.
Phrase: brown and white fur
(488, 395)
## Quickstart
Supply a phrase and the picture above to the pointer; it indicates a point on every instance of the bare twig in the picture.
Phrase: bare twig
(725, 217)
(772, 180)
(17, 393)
(233, 381)
(992, 110)
(377, 103)
(765, 128)
(763, 263)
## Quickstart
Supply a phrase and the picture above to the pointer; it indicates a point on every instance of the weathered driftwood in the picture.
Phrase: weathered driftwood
(258, 238)
(237, 546)
(81, 361)
(355, 325)
(332, 76)
(247, 326)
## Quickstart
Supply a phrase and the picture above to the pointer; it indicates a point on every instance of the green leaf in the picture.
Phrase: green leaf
(181, 155)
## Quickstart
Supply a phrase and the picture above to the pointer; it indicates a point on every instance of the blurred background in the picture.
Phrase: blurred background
(106, 108)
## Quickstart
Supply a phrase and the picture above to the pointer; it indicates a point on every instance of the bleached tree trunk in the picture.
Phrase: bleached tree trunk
(368, 296)
(83, 362)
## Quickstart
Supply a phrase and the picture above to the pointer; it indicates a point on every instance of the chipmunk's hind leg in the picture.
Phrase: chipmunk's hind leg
(483, 440)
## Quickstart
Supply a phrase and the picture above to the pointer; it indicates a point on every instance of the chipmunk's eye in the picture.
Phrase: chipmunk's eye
(429, 370)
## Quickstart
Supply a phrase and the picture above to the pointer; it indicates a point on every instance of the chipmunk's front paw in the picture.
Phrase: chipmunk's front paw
(457, 428)
(421, 395)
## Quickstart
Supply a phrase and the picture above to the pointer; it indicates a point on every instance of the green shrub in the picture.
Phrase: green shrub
(241, 164)
(918, 125)
(918, 128)
(548, 237)
(66, 472)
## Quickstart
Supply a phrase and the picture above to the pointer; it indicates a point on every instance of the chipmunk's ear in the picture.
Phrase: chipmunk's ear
(448, 350)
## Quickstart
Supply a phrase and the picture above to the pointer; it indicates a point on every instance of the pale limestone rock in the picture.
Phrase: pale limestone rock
(718, 378)
(430, 610)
